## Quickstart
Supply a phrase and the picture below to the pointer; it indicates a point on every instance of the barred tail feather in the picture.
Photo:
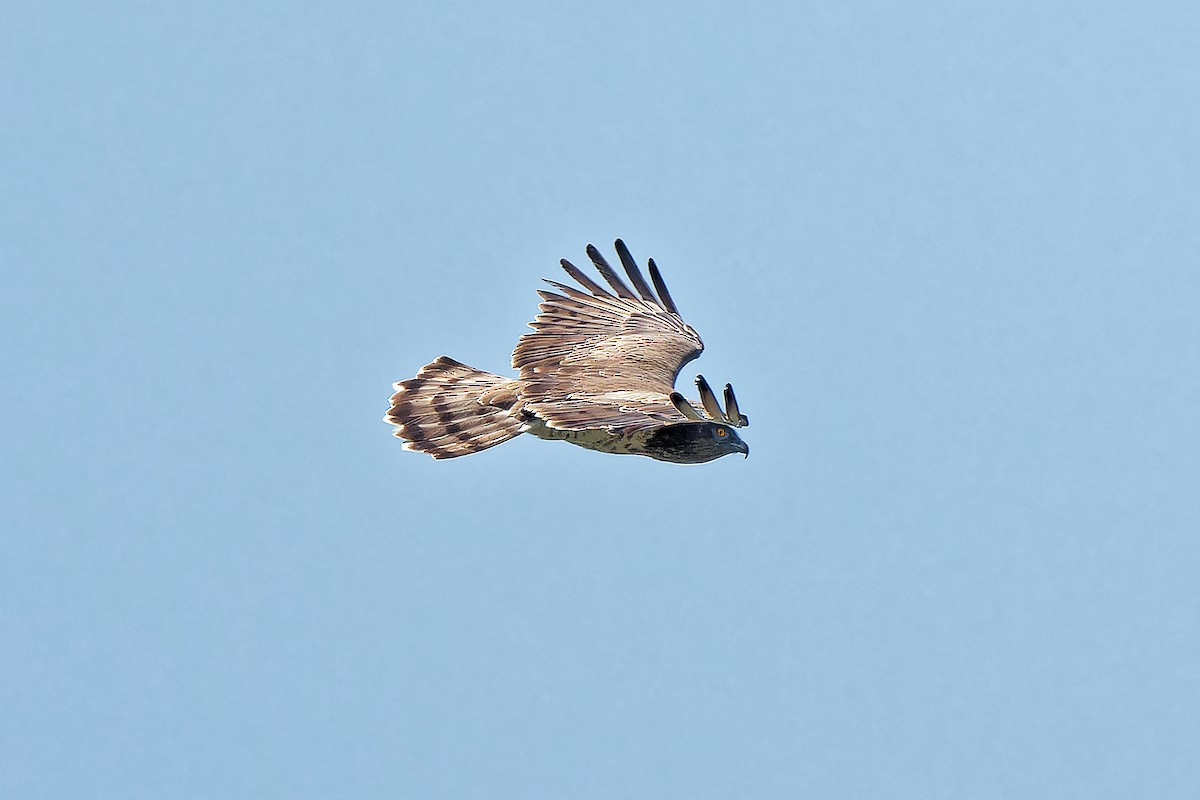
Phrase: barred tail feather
(450, 410)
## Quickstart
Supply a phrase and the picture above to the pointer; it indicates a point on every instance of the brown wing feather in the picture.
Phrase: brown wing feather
(603, 361)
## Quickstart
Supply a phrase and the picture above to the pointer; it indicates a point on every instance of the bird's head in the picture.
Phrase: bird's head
(702, 438)
(724, 438)
(694, 442)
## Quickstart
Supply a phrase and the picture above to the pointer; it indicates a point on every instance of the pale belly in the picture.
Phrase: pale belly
(600, 439)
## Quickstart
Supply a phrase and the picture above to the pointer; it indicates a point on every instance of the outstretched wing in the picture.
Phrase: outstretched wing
(605, 359)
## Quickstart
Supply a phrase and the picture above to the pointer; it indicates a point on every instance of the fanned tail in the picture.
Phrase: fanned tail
(450, 410)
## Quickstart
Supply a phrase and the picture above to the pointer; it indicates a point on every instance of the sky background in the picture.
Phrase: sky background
(947, 253)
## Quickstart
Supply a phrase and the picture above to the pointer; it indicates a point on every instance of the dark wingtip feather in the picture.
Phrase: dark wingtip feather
(635, 274)
(609, 274)
(731, 408)
(584, 281)
(684, 407)
(709, 400)
(661, 288)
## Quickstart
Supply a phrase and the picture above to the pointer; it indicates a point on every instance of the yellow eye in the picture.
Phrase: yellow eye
(721, 432)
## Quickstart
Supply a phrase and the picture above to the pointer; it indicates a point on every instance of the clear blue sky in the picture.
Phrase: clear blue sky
(948, 253)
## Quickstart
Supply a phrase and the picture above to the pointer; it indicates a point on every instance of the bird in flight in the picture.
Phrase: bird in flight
(598, 371)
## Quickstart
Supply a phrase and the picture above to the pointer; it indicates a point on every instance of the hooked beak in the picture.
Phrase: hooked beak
(744, 448)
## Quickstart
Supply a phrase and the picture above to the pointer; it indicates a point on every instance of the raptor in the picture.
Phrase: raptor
(598, 371)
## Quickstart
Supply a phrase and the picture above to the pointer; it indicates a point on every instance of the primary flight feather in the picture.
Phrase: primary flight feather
(598, 371)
